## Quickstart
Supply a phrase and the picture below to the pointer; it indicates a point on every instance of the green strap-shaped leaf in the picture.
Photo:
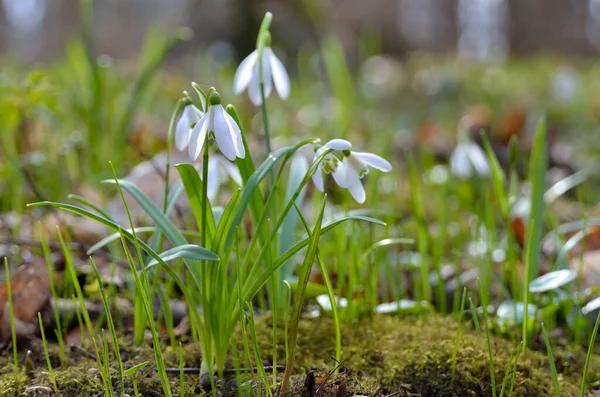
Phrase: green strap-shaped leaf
(193, 188)
(164, 223)
(304, 273)
(187, 251)
(130, 238)
(298, 169)
(538, 164)
(225, 222)
(552, 280)
(252, 285)
(249, 189)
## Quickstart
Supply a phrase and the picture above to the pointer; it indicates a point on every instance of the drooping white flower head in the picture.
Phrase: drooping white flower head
(247, 76)
(468, 158)
(348, 171)
(183, 130)
(219, 125)
(220, 170)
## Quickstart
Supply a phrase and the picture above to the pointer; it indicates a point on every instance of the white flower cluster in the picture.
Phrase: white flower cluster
(195, 126)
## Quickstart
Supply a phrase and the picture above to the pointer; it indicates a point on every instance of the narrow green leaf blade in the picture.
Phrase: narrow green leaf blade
(164, 223)
(187, 251)
(193, 188)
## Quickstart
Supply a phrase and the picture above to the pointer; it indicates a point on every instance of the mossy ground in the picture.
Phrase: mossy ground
(410, 356)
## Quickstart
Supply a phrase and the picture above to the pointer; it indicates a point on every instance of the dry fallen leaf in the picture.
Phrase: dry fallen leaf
(31, 294)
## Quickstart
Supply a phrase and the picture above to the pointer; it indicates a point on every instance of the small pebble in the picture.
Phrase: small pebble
(205, 381)
(35, 389)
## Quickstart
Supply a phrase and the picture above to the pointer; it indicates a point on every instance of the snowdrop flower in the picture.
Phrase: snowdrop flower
(219, 125)
(220, 170)
(467, 158)
(348, 171)
(247, 76)
(183, 130)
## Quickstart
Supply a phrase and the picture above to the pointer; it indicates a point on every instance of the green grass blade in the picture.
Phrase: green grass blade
(225, 222)
(142, 292)
(551, 361)
(111, 327)
(135, 369)
(117, 236)
(187, 251)
(164, 223)
(88, 203)
(253, 284)
(498, 178)
(589, 356)
(329, 291)
(47, 354)
(459, 328)
(298, 168)
(13, 330)
(538, 164)
(489, 343)
(304, 273)
(193, 188)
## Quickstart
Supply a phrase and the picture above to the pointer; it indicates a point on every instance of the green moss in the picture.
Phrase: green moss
(385, 355)
(12, 384)
(388, 354)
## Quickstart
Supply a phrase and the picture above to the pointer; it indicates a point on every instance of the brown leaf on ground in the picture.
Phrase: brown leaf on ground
(31, 294)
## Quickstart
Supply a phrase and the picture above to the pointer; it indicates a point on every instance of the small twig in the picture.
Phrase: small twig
(339, 364)
(32, 185)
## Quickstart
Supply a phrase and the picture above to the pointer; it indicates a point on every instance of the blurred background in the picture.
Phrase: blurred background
(83, 82)
(35, 30)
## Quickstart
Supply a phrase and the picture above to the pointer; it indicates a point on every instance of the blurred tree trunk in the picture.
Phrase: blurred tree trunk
(4, 30)
(236, 21)
(551, 26)
(246, 20)
(62, 21)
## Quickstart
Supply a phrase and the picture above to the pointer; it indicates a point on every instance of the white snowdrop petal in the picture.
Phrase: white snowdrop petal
(254, 88)
(358, 192)
(479, 159)
(183, 130)
(223, 134)
(460, 165)
(338, 144)
(345, 175)
(230, 169)
(198, 136)
(267, 78)
(244, 73)
(373, 160)
(318, 179)
(236, 135)
(212, 184)
(182, 133)
(280, 76)
(194, 114)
